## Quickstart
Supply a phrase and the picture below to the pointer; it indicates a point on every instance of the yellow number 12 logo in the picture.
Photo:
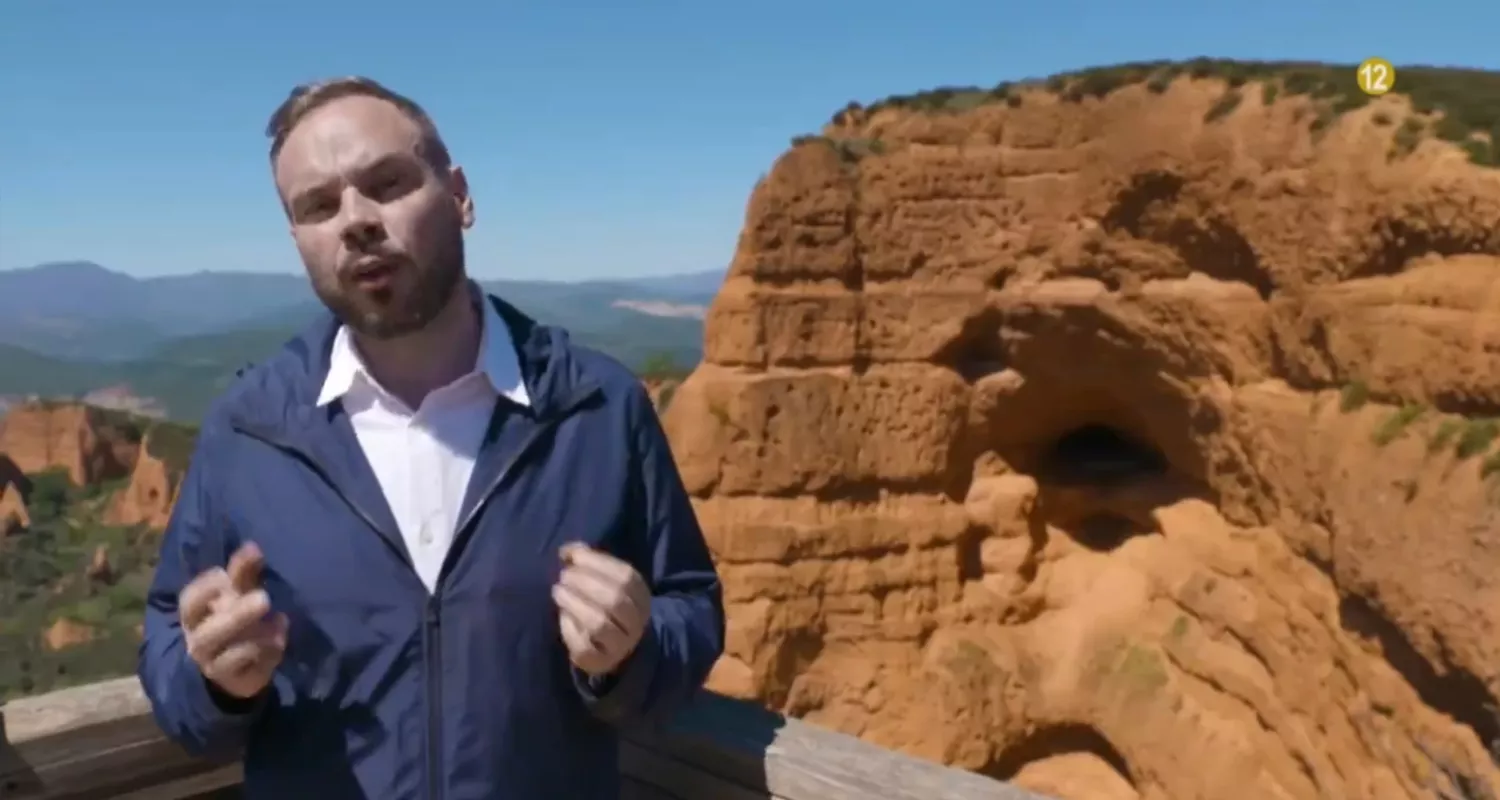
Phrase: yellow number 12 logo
(1376, 76)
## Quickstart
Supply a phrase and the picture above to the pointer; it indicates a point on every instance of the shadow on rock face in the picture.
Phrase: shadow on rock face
(1098, 455)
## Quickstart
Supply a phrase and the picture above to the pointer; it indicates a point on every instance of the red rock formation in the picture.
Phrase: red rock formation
(94, 446)
(91, 444)
(14, 488)
(1034, 438)
(13, 514)
(152, 491)
(66, 633)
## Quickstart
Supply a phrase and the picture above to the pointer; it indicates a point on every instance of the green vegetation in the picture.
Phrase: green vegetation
(1142, 670)
(172, 443)
(184, 383)
(662, 366)
(44, 579)
(1353, 396)
(1224, 106)
(1475, 437)
(1443, 435)
(1461, 106)
(664, 398)
(1467, 437)
(849, 151)
(1397, 423)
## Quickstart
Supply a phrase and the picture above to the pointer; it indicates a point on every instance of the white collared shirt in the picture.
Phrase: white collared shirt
(424, 458)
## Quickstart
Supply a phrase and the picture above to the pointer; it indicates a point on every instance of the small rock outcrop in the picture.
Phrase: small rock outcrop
(14, 489)
(152, 491)
(66, 633)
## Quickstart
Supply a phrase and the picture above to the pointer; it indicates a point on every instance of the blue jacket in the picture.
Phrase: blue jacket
(387, 690)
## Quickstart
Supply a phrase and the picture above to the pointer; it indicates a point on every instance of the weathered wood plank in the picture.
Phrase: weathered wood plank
(794, 760)
(99, 741)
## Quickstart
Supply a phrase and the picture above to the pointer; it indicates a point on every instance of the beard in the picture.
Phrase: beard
(414, 295)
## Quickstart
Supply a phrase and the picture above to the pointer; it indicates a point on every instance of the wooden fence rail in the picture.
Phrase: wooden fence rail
(99, 741)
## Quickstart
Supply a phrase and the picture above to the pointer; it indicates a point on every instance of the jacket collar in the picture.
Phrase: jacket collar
(497, 361)
(283, 392)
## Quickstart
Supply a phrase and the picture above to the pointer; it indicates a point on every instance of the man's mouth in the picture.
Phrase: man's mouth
(373, 274)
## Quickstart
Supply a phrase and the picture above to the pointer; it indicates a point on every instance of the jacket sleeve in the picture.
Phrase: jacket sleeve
(686, 632)
(188, 708)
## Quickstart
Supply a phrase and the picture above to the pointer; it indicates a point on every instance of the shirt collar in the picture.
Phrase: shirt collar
(497, 361)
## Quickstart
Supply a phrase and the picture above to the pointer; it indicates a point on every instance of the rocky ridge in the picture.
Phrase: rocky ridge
(1129, 435)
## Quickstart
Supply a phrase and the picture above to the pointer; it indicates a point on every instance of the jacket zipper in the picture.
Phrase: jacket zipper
(463, 529)
(432, 613)
(432, 627)
(432, 636)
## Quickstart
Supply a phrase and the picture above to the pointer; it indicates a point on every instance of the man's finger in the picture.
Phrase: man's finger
(598, 561)
(245, 566)
(228, 625)
(197, 598)
(239, 658)
(265, 643)
(590, 586)
(602, 631)
(575, 639)
(615, 600)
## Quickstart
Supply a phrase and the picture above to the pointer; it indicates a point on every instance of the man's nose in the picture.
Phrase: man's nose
(362, 226)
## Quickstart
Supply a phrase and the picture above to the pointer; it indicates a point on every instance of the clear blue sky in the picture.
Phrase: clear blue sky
(601, 138)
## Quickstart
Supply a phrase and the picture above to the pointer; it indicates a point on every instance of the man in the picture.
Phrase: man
(431, 549)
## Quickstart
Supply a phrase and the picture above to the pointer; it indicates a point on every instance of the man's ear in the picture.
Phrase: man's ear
(458, 184)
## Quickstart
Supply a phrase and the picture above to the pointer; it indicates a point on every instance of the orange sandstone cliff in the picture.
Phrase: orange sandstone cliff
(93, 446)
(88, 443)
(1127, 441)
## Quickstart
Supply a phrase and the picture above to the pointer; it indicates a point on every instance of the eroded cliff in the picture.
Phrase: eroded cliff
(1127, 436)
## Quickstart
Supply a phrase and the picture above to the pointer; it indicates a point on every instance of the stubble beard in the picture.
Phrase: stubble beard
(385, 318)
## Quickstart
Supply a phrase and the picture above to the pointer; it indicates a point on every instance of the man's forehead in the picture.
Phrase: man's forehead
(346, 133)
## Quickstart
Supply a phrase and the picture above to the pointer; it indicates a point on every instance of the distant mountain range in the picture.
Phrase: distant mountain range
(71, 328)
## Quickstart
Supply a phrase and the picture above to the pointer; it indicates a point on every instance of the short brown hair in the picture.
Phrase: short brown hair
(308, 97)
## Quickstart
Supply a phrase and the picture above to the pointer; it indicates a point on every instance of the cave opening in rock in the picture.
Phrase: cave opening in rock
(1103, 532)
(1052, 742)
(1100, 455)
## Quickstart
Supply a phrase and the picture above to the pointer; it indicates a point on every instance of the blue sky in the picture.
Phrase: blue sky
(601, 138)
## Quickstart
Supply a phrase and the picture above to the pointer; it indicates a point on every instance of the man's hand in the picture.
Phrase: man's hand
(228, 628)
(603, 607)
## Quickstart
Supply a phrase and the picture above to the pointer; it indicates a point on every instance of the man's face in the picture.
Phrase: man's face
(378, 227)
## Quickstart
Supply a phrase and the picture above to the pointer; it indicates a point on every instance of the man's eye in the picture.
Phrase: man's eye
(385, 187)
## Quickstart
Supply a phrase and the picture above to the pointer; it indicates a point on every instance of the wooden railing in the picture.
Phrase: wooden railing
(99, 741)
